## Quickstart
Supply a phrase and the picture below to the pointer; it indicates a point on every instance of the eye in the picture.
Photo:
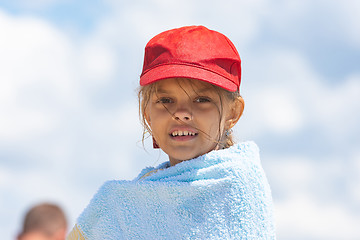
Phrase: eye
(164, 100)
(202, 100)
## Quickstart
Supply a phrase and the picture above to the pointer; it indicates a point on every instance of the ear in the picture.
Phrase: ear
(235, 112)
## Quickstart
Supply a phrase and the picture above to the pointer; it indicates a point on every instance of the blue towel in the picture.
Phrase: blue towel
(223, 194)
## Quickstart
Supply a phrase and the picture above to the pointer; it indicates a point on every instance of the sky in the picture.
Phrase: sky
(69, 113)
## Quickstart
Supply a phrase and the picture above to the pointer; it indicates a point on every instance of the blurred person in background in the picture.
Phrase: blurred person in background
(44, 222)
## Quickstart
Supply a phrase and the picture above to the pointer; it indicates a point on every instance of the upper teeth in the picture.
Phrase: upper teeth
(182, 133)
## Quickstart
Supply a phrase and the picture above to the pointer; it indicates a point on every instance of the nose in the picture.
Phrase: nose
(182, 114)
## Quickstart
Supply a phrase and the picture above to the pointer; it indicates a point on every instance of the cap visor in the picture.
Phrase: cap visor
(186, 71)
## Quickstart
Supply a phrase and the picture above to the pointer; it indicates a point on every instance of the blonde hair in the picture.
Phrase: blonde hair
(145, 93)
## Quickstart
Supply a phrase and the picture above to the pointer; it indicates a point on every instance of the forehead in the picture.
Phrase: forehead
(185, 84)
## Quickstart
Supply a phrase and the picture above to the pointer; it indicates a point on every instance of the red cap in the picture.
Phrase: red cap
(192, 52)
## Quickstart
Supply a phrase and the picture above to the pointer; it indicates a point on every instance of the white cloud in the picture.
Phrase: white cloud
(335, 19)
(347, 14)
(35, 4)
(302, 212)
(45, 75)
(239, 20)
(303, 217)
(274, 89)
(33, 57)
(142, 20)
(354, 177)
(284, 94)
(335, 107)
(48, 123)
(97, 62)
(279, 110)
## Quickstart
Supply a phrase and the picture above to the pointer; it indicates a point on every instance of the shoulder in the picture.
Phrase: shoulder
(240, 152)
(75, 234)
(150, 170)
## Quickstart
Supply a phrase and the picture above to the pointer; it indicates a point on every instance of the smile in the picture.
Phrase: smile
(179, 133)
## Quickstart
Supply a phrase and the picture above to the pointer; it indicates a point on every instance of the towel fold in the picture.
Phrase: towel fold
(221, 195)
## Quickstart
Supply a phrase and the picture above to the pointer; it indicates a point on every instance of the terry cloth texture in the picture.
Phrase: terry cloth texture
(221, 195)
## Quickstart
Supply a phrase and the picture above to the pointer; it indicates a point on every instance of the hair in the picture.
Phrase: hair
(144, 96)
(45, 218)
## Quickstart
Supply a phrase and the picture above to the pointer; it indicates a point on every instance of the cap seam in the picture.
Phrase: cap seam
(186, 64)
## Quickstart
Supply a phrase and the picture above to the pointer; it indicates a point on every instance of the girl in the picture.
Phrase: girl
(210, 188)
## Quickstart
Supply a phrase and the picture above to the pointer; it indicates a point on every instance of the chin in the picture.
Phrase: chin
(183, 157)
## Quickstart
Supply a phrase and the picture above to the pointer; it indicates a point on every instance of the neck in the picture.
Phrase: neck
(173, 161)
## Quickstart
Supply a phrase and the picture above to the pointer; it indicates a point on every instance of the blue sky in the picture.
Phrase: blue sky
(69, 117)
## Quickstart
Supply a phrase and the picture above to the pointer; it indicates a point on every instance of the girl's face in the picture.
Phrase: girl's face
(187, 118)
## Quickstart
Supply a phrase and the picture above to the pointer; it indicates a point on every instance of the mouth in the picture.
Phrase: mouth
(180, 133)
(183, 135)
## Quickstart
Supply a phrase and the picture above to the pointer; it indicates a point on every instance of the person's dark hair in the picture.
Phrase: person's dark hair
(46, 218)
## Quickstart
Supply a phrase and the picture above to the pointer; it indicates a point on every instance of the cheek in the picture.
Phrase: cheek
(210, 123)
(157, 122)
